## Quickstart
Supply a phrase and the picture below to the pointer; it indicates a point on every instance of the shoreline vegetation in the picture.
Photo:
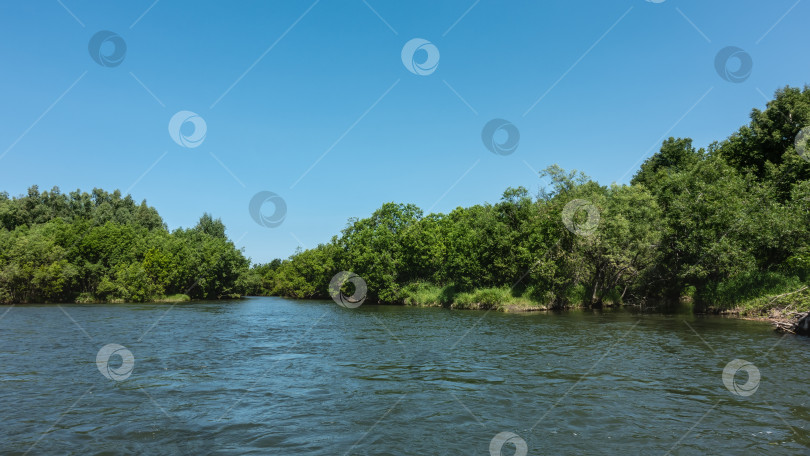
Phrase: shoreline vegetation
(724, 229)
(103, 247)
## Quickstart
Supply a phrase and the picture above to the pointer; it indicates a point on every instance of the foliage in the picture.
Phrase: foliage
(100, 246)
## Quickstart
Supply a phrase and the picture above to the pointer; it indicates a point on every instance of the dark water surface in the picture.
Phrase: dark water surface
(273, 376)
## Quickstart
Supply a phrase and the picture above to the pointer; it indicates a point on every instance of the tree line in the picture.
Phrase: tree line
(715, 226)
(100, 246)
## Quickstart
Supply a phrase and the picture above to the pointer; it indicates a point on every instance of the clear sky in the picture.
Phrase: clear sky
(285, 85)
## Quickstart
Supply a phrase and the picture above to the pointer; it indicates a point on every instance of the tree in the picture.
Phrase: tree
(102, 246)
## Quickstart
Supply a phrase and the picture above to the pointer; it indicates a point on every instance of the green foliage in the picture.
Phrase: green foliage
(748, 286)
(305, 275)
(676, 155)
(426, 295)
(483, 298)
(180, 297)
(781, 306)
(765, 147)
(103, 247)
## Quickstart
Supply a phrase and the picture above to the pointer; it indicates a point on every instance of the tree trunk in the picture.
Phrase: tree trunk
(596, 300)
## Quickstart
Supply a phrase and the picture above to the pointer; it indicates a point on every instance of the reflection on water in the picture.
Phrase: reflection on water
(273, 376)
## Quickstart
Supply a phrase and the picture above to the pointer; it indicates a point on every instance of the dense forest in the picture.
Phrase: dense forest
(99, 246)
(721, 227)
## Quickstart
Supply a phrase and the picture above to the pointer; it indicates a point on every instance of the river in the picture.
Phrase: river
(277, 376)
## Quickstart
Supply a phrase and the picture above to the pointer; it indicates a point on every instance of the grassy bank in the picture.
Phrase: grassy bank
(87, 298)
(778, 304)
(775, 307)
(502, 299)
(766, 296)
(174, 298)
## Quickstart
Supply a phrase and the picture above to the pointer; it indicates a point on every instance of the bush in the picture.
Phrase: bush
(499, 298)
(747, 286)
(426, 294)
(577, 295)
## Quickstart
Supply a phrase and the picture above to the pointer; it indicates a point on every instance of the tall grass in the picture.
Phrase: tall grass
(501, 298)
(425, 295)
(748, 288)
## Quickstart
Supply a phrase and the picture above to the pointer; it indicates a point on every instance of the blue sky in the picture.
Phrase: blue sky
(281, 85)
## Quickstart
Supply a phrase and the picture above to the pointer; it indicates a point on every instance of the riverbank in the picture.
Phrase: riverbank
(500, 299)
(783, 310)
(87, 298)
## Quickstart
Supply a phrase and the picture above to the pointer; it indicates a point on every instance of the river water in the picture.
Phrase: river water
(276, 376)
